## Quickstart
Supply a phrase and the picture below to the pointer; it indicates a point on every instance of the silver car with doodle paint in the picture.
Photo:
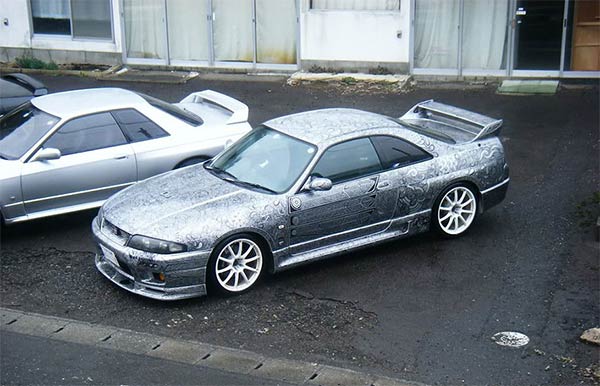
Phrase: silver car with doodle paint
(298, 189)
(70, 151)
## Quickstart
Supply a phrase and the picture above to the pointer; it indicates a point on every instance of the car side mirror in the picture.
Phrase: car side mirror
(46, 154)
(316, 184)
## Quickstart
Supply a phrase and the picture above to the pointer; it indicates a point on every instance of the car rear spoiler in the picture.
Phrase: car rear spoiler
(36, 87)
(238, 110)
(480, 126)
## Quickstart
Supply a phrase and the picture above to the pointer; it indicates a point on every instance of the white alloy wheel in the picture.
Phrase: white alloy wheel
(456, 210)
(238, 265)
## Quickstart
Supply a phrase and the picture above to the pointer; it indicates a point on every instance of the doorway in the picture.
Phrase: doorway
(548, 38)
(538, 34)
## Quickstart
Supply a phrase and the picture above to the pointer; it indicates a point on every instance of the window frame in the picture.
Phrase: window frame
(130, 140)
(381, 170)
(61, 125)
(71, 36)
(428, 156)
(375, 147)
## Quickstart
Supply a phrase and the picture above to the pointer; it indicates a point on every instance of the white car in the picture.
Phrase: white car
(70, 151)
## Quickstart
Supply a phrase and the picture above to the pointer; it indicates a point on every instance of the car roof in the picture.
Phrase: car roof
(79, 102)
(321, 126)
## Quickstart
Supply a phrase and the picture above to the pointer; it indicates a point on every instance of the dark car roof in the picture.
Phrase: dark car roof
(18, 88)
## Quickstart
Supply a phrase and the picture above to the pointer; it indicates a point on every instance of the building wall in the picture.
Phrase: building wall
(355, 39)
(17, 39)
(16, 33)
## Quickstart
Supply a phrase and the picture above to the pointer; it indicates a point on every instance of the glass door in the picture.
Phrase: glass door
(188, 31)
(225, 33)
(485, 31)
(538, 35)
(582, 50)
(145, 31)
(276, 27)
(436, 36)
(233, 30)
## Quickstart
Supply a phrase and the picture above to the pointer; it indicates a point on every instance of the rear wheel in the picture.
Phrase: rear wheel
(236, 264)
(455, 210)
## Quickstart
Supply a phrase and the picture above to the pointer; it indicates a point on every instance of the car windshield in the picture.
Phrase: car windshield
(264, 159)
(22, 128)
(184, 115)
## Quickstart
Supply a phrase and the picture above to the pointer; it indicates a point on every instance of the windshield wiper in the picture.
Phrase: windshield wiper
(254, 185)
(234, 180)
(220, 171)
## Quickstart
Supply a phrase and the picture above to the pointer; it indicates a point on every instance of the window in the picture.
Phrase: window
(136, 126)
(395, 152)
(356, 5)
(96, 131)
(348, 160)
(186, 116)
(266, 158)
(77, 18)
(22, 128)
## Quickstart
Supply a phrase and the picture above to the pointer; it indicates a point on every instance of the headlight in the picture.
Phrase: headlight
(150, 244)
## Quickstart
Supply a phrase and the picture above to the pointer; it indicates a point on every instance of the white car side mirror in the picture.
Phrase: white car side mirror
(46, 154)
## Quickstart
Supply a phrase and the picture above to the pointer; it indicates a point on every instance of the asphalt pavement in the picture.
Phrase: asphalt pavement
(422, 309)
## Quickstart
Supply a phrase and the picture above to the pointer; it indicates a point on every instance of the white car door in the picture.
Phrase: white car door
(96, 161)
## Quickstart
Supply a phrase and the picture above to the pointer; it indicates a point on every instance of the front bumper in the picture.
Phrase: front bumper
(137, 271)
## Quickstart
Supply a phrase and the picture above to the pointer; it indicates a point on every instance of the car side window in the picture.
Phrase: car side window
(136, 126)
(95, 131)
(348, 160)
(395, 152)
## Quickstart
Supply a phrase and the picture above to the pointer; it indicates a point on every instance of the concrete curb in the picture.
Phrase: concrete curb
(89, 74)
(302, 76)
(189, 352)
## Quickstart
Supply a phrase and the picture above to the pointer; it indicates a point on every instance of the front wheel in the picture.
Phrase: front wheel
(455, 210)
(236, 265)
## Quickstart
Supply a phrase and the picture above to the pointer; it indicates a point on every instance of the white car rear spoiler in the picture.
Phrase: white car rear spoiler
(239, 111)
(456, 117)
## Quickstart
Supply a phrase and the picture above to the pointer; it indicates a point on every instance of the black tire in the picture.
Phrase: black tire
(243, 272)
(455, 210)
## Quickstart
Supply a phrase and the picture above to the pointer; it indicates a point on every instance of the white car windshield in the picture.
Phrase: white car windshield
(264, 159)
(22, 128)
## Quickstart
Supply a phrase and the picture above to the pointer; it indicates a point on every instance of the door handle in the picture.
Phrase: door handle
(383, 184)
(121, 157)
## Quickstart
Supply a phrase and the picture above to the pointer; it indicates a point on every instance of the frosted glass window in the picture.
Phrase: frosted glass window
(145, 28)
(276, 31)
(188, 29)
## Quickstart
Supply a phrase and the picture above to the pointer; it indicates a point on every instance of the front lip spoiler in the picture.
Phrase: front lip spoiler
(188, 274)
(128, 283)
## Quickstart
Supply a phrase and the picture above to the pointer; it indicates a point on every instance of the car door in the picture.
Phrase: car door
(360, 201)
(96, 161)
(406, 170)
(149, 142)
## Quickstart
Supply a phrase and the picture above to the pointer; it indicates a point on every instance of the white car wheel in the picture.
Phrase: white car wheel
(238, 265)
(456, 210)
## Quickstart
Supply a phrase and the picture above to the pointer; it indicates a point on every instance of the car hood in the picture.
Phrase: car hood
(182, 205)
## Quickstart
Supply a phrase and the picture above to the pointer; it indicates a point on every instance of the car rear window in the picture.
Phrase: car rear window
(175, 111)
